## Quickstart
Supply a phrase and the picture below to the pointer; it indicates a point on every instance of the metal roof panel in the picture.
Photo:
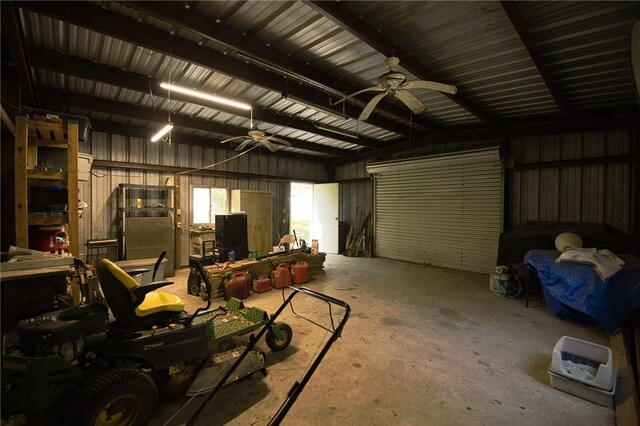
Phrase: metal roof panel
(586, 47)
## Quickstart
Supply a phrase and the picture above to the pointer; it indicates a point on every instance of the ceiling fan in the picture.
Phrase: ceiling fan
(258, 136)
(394, 83)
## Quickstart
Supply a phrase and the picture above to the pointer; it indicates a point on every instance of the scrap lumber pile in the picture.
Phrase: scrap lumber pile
(264, 266)
(360, 243)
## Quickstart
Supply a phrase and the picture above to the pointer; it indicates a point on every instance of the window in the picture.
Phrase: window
(207, 203)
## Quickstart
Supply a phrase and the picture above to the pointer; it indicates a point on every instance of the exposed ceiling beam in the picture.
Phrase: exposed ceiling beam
(176, 137)
(190, 171)
(113, 24)
(511, 9)
(357, 26)
(64, 98)
(594, 122)
(176, 13)
(591, 161)
(15, 41)
(88, 70)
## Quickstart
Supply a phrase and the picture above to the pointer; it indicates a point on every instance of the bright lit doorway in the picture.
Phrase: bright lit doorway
(314, 214)
(301, 210)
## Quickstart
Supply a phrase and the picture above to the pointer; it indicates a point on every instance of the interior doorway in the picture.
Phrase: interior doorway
(314, 214)
(325, 216)
(301, 210)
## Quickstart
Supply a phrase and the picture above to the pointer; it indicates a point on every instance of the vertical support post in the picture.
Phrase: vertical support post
(72, 188)
(21, 205)
(506, 157)
(635, 186)
(177, 215)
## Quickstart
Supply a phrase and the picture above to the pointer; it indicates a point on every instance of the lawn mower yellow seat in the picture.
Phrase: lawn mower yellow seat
(130, 302)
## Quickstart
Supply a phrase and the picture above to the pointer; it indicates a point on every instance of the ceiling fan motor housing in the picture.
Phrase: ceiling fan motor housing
(392, 80)
(256, 133)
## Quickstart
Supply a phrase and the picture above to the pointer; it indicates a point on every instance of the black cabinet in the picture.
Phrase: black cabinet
(231, 235)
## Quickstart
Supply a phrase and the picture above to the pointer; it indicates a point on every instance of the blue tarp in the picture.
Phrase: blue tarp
(576, 292)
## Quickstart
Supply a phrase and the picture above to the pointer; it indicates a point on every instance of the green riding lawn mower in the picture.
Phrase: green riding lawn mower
(83, 366)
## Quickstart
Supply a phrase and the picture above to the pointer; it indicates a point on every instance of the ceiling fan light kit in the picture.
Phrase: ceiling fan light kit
(395, 84)
(336, 131)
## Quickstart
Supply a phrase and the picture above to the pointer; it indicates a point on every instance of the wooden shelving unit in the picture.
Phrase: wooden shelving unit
(31, 134)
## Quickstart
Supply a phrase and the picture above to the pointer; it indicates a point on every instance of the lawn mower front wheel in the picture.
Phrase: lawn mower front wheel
(119, 396)
(286, 334)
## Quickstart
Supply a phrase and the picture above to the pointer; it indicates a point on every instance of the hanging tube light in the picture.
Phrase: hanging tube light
(206, 96)
(336, 131)
(166, 129)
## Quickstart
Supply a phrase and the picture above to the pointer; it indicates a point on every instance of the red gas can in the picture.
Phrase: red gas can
(262, 284)
(281, 276)
(237, 286)
(300, 272)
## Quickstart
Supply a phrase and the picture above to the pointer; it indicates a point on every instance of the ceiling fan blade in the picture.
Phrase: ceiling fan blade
(432, 85)
(368, 89)
(265, 142)
(278, 140)
(366, 112)
(411, 101)
(243, 144)
(232, 139)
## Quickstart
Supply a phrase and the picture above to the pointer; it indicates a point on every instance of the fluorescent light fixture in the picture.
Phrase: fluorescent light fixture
(162, 132)
(206, 96)
(339, 132)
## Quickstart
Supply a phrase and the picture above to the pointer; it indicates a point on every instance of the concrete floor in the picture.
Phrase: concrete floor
(424, 346)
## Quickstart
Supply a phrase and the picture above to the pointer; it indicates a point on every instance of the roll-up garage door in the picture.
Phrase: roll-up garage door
(443, 210)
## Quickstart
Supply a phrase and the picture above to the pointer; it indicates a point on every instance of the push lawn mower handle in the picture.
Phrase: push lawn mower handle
(205, 278)
(207, 284)
(157, 265)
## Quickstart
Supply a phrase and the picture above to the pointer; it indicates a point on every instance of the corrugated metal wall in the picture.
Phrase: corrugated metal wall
(356, 193)
(599, 193)
(100, 218)
(581, 193)
(588, 193)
